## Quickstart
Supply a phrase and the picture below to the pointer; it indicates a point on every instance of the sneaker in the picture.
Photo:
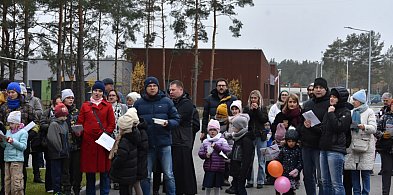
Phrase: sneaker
(226, 183)
(49, 191)
(116, 186)
(259, 186)
(38, 180)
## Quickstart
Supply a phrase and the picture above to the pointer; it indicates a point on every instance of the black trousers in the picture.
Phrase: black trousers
(387, 167)
(75, 173)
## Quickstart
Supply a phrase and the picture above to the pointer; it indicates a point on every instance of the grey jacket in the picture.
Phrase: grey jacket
(58, 146)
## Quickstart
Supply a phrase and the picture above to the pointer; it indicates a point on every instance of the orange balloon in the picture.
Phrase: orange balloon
(275, 168)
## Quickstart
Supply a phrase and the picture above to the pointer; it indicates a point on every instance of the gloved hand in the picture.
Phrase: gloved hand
(294, 173)
(386, 135)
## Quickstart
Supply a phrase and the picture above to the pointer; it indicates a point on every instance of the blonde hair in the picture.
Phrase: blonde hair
(293, 97)
(257, 93)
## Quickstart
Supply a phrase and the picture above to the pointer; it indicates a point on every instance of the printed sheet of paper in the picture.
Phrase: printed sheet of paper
(309, 115)
(222, 154)
(106, 141)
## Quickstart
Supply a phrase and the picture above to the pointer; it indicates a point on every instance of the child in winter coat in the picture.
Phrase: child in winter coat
(124, 154)
(242, 154)
(214, 164)
(291, 159)
(15, 143)
(59, 149)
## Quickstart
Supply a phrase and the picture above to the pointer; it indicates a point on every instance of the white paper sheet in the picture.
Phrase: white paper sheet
(106, 141)
(29, 126)
(309, 115)
(223, 155)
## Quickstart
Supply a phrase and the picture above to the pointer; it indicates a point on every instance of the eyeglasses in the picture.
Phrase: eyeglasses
(284, 94)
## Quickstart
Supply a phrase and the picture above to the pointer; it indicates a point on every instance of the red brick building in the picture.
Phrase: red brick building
(250, 67)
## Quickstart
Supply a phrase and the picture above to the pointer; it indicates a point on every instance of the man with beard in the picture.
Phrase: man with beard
(182, 140)
(217, 96)
(310, 136)
(155, 104)
(310, 94)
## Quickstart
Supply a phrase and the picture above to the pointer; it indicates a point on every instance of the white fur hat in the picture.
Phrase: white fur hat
(128, 120)
(66, 93)
(14, 117)
(134, 96)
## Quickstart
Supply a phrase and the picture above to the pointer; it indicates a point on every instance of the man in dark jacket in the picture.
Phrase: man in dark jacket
(182, 138)
(310, 136)
(336, 124)
(217, 96)
(155, 104)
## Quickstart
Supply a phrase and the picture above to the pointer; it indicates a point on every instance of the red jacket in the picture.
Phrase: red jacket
(94, 158)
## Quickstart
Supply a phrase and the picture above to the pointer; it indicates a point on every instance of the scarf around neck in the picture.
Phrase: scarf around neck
(96, 102)
(240, 134)
(356, 119)
(13, 104)
(213, 139)
(115, 147)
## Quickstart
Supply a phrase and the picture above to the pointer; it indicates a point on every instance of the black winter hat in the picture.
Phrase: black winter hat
(107, 81)
(292, 134)
(150, 80)
(321, 82)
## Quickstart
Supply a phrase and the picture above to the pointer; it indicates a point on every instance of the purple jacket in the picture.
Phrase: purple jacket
(215, 163)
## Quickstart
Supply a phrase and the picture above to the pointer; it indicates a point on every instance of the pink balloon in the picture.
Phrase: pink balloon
(282, 184)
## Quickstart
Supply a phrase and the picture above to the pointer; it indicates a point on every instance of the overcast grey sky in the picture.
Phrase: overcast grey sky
(301, 29)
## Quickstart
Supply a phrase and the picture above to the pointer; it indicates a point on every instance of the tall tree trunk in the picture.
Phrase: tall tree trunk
(27, 41)
(196, 54)
(12, 63)
(5, 36)
(213, 44)
(163, 44)
(81, 72)
(59, 50)
(72, 57)
(99, 43)
(147, 39)
(116, 48)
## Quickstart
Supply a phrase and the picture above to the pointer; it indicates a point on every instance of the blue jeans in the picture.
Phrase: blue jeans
(311, 170)
(56, 170)
(357, 188)
(261, 162)
(332, 164)
(91, 183)
(164, 155)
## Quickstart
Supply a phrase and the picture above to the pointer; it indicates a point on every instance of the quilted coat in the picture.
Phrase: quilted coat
(365, 160)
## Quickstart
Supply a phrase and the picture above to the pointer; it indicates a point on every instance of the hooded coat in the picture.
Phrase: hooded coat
(336, 124)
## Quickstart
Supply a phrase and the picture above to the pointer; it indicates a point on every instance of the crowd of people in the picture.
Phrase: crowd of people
(154, 132)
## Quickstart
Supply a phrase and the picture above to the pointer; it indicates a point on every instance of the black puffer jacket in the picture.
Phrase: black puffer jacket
(310, 136)
(336, 124)
(291, 158)
(124, 164)
(258, 117)
(142, 148)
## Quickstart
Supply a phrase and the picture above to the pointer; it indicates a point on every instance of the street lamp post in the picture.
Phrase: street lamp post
(369, 60)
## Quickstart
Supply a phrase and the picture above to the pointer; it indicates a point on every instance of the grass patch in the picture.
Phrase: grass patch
(39, 188)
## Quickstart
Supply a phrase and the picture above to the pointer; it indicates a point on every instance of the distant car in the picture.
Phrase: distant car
(375, 99)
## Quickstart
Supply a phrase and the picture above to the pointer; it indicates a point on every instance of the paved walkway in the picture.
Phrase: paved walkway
(376, 181)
